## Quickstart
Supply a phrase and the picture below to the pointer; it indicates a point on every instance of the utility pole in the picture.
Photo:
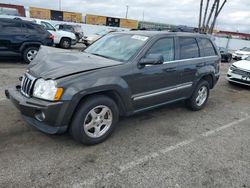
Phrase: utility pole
(126, 11)
(143, 15)
(60, 5)
(200, 17)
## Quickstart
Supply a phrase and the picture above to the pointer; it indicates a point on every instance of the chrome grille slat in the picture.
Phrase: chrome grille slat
(27, 84)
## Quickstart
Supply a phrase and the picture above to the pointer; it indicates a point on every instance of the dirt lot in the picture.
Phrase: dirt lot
(166, 147)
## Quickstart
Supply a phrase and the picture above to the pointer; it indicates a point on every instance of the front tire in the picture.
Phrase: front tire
(94, 120)
(199, 97)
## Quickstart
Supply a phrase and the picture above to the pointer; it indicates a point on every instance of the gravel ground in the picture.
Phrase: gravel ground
(166, 147)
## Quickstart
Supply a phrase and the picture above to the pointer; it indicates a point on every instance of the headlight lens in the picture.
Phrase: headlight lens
(47, 89)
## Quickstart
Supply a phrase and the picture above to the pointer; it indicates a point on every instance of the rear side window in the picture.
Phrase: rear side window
(208, 48)
(11, 27)
(165, 47)
(188, 48)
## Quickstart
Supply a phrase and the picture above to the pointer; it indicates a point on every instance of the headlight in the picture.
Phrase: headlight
(47, 89)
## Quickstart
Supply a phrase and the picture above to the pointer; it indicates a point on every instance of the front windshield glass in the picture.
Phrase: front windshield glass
(246, 49)
(117, 46)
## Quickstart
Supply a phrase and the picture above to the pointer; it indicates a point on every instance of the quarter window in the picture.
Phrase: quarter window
(165, 47)
(208, 48)
(188, 48)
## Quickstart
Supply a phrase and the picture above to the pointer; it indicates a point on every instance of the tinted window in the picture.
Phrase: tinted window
(188, 48)
(208, 48)
(165, 47)
(11, 27)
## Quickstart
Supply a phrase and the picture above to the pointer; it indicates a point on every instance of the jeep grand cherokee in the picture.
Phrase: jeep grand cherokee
(119, 75)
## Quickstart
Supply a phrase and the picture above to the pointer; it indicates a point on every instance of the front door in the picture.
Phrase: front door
(156, 84)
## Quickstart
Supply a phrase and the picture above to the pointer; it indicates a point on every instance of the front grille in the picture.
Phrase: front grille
(241, 72)
(27, 84)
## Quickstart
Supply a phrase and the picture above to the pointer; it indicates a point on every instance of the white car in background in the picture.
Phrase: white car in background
(241, 54)
(239, 72)
(90, 39)
(63, 39)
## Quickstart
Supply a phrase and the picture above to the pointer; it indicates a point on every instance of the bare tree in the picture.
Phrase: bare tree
(214, 12)
(200, 17)
(205, 16)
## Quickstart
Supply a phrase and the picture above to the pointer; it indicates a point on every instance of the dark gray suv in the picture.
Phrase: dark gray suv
(119, 75)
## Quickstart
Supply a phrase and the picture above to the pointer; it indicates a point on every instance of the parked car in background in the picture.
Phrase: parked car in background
(239, 72)
(88, 40)
(63, 39)
(76, 29)
(22, 37)
(226, 56)
(241, 54)
(121, 74)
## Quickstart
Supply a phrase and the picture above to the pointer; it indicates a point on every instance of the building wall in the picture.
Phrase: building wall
(19, 8)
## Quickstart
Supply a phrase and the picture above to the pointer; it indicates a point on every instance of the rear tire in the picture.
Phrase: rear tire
(199, 97)
(94, 120)
(65, 43)
(29, 54)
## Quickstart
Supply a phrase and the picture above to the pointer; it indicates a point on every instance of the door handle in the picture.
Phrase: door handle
(200, 65)
(171, 69)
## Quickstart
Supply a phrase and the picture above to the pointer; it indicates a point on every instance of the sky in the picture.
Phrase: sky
(234, 17)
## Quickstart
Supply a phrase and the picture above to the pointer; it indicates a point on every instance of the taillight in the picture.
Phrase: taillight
(51, 37)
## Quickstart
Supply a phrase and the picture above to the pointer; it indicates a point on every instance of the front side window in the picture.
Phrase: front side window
(164, 47)
(117, 46)
(188, 48)
(208, 48)
(11, 27)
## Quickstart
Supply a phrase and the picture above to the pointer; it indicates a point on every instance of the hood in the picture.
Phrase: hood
(53, 63)
(244, 64)
(242, 52)
(66, 34)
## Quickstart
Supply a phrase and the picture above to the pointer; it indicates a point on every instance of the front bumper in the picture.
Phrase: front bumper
(52, 120)
(239, 79)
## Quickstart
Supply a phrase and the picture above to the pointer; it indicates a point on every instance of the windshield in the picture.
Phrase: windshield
(47, 26)
(246, 49)
(117, 46)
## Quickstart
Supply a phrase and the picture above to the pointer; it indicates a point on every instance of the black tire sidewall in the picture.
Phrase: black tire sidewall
(192, 101)
(25, 52)
(77, 129)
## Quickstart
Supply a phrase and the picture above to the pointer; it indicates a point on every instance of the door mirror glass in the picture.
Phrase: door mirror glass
(152, 59)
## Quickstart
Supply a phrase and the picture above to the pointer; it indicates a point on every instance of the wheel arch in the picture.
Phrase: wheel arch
(113, 94)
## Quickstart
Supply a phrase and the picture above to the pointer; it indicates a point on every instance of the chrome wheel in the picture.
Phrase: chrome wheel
(31, 54)
(202, 96)
(98, 121)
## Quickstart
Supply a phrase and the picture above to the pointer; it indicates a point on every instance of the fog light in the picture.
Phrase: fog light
(40, 116)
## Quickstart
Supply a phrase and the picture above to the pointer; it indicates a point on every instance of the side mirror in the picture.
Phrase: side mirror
(152, 59)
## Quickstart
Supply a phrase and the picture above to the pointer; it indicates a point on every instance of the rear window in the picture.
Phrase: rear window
(208, 48)
(188, 48)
